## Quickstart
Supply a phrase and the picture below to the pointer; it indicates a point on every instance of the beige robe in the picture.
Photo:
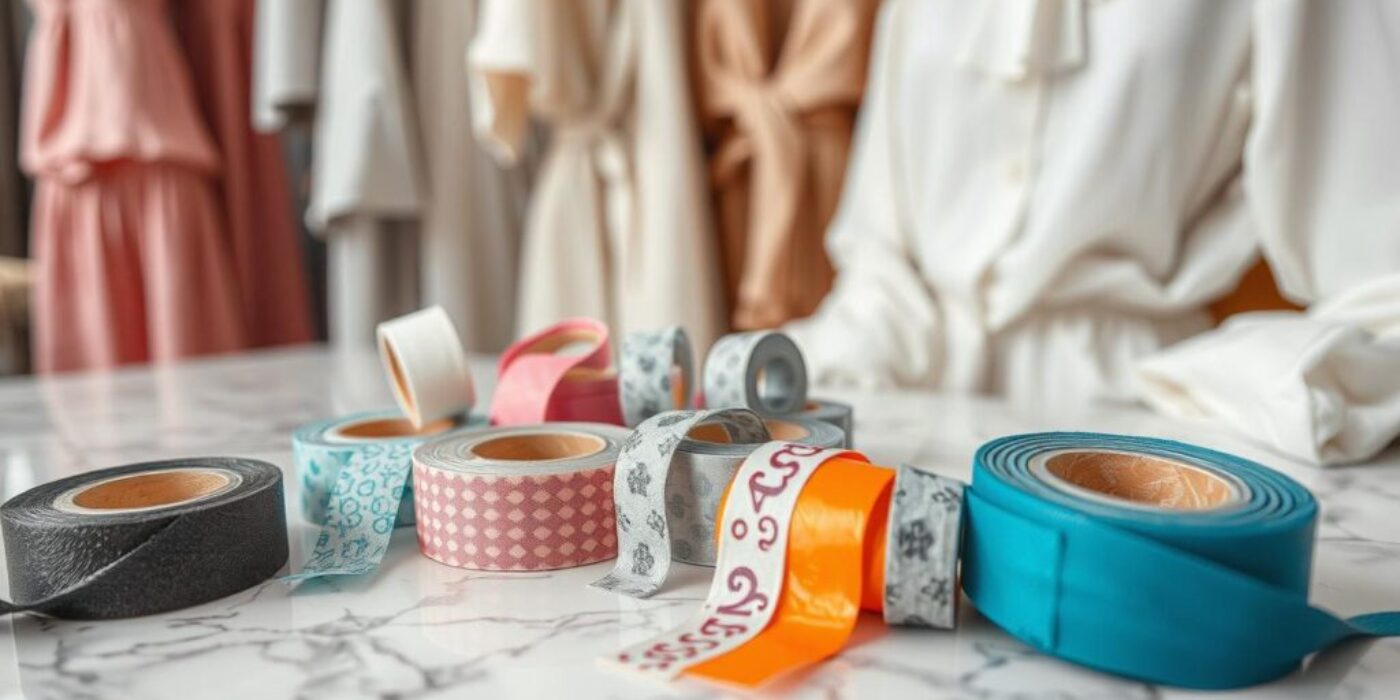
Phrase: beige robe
(618, 228)
(779, 84)
(413, 212)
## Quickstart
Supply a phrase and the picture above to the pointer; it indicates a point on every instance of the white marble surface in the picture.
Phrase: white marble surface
(418, 629)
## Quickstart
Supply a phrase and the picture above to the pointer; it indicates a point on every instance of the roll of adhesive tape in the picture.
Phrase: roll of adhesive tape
(653, 509)
(355, 483)
(426, 366)
(1152, 559)
(760, 370)
(922, 543)
(527, 498)
(657, 371)
(144, 538)
(703, 466)
(562, 373)
(836, 413)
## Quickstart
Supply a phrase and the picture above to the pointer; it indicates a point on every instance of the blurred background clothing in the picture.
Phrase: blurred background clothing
(618, 227)
(1045, 193)
(779, 84)
(1051, 200)
(129, 239)
(256, 195)
(412, 210)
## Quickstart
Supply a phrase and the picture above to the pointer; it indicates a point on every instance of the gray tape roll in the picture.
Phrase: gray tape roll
(836, 413)
(144, 538)
(701, 470)
(656, 371)
(759, 370)
(642, 493)
(355, 476)
(921, 552)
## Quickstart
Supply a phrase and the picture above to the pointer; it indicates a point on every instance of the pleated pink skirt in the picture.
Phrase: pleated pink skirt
(133, 266)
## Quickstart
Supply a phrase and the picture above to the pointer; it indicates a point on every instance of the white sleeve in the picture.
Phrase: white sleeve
(286, 61)
(1321, 178)
(500, 65)
(878, 326)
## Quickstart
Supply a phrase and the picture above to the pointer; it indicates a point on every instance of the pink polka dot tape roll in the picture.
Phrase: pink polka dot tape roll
(518, 498)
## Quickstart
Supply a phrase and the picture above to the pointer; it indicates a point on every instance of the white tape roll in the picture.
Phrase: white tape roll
(426, 366)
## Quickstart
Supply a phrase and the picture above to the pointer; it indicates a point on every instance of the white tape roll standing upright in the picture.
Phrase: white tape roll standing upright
(426, 366)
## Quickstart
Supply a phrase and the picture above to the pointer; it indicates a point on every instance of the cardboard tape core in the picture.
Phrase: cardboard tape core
(137, 492)
(778, 429)
(539, 447)
(385, 428)
(1141, 479)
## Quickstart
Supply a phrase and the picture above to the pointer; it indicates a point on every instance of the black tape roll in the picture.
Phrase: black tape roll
(144, 538)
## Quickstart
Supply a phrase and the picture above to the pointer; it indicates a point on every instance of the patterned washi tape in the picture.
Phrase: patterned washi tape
(704, 466)
(749, 578)
(760, 370)
(518, 499)
(921, 550)
(354, 473)
(656, 371)
(642, 488)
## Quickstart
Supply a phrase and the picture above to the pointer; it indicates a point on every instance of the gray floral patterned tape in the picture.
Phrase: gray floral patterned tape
(761, 370)
(700, 471)
(652, 364)
(835, 413)
(639, 490)
(356, 490)
(921, 555)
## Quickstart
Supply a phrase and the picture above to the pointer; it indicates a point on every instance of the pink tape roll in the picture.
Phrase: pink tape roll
(518, 499)
(535, 384)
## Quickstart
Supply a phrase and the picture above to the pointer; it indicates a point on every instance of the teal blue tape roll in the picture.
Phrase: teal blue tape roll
(1212, 598)
(356, 487)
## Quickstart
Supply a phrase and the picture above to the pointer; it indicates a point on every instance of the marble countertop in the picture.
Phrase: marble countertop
(418, 629)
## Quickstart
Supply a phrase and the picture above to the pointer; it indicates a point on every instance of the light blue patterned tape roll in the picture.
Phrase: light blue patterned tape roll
(356, 485)
(1210, 597)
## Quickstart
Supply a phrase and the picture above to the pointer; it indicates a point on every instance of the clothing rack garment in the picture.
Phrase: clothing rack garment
(254, 189)
(779, 85)
(128, 236)
(413, 213)
(618, 227)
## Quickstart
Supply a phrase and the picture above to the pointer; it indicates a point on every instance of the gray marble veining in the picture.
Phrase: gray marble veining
(418, 629)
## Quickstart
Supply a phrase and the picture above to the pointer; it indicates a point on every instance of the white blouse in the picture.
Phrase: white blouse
(1046, 192)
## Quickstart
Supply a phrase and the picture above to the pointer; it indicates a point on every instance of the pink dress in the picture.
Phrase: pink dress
(257, 205)
(128, 237)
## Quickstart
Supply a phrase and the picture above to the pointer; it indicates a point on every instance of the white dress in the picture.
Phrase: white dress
(414, 213)
(619, 227)
(1046, 192)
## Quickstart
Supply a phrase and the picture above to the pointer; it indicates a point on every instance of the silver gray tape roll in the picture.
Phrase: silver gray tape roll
(642, 494)
(703, 466)
(836, 413)
(921, 552)
(759, 370)
(144, 538)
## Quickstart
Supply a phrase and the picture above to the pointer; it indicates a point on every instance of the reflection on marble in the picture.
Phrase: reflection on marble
(418, 629)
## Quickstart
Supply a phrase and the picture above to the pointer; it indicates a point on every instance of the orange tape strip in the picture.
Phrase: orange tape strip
(835, 568)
